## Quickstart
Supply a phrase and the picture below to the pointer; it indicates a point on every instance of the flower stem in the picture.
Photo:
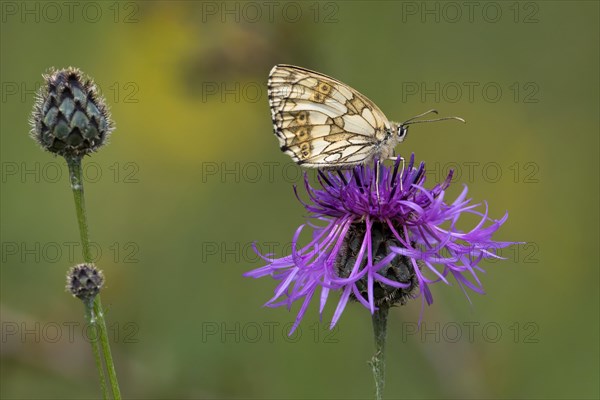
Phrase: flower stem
(76, 175)
(378, 361)
(94, 313)
(89, 317)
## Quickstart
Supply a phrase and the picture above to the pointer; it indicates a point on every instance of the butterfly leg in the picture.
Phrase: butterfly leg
(395, 158)
(377, 167)
(402, 173)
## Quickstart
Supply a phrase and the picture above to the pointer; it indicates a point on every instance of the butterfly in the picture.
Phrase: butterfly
(323, 123)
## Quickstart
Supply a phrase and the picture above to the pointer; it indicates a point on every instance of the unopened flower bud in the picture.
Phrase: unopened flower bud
(84, 281)
(70, 117)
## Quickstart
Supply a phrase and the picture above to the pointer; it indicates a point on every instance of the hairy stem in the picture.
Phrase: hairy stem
(89, 317)
(96, 314)
(378, 361)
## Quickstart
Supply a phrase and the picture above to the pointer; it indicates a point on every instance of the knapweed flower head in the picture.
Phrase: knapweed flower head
(380, 237)
(84, 281)
(70, 117)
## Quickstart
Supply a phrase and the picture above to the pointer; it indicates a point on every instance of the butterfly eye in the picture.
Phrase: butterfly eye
(402, 131)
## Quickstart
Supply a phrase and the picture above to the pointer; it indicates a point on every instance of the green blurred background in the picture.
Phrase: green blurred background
(183, 189)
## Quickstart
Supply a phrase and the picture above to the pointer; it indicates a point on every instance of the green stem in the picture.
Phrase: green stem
(110, 366)
(96, 314)
(378, 361)
(89, 316)
(76, 175)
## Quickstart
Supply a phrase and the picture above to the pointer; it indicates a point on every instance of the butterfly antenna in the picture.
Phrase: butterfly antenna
(433, 111)
(409, 122)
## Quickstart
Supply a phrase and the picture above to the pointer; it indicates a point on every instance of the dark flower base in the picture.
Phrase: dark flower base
(399, 270)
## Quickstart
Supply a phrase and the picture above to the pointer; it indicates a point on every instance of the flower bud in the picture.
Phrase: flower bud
(84, 281)
(70, 117)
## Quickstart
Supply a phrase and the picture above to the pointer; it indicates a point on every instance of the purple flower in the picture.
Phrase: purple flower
(381, 243)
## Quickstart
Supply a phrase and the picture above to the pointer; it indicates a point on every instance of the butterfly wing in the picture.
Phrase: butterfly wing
(321, 122)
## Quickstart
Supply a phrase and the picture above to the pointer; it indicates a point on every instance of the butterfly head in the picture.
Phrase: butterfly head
(402, 131)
